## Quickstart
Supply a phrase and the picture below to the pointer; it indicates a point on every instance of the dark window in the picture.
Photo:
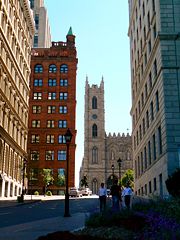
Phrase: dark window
(36, 21)
(157, 101)
(63, 109)
(36, 109)
(61, 139)
(32, 4)
(154, 147)
(38, 82)
(154, 31)
(52, 82)
(159, 140)
(145, 158)
(155, 185)
(63, 68)
(61, 155)
(150, 80)
(155, 68)
(147, 119)
(38, 68)
(149, 152)
(94, 102)
(62, 124)
(63, 95)
(63, 82)
(94, 155)
(150, 189)
(94, 130)
(36, 41)
(52, 68)
(34, 155)
(49, 155)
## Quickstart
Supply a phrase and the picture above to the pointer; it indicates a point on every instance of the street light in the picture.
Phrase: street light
(119, 161)
(68, 136)
(24, 170)
(112, 167)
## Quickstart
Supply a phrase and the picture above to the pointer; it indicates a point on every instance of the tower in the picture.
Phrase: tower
(94, 135)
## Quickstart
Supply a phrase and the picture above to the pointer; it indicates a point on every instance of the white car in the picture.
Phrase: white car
(75, 192)
(86, 192)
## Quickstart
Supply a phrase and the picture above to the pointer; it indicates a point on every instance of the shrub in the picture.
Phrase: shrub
(173, 183)
(49, 193)
(36, 193)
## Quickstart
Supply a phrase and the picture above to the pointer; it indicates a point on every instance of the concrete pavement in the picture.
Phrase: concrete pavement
(32, 230)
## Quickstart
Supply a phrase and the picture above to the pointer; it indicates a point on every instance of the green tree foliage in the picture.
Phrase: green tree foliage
(173, 183)
(47, 177)
(128, 178)
(84, 182)
(60, 180)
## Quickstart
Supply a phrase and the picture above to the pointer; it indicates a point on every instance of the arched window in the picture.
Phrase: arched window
(38, 68)
(94, 130)
(94, 102)
(63, 68)
(94, 155)
(95, 186)
(52, 68)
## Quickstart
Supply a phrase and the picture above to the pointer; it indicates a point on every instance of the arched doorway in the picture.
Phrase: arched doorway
(110, 180)
(95, 186)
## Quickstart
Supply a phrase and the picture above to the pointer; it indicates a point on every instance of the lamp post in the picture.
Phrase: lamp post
(112, 167)
(68, 136)
(119, 161)
(23, 187)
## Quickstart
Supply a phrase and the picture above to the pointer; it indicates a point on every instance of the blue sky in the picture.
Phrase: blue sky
(102, 43)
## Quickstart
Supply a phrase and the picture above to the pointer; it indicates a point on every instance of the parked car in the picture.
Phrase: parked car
(75, 192)
(86, 192)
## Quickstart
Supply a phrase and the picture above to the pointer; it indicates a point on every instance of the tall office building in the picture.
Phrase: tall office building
(52, 111)
(101, 151)
(154, 28)
(16, 33)
(42, 36)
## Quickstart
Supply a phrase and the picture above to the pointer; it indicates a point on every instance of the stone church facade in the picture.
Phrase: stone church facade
(102, 151)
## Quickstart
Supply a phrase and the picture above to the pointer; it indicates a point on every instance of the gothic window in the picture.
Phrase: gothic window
(94, 102)
(94, 131)
(95, 155)
(63, 68)
(38, 68)
(52, 68)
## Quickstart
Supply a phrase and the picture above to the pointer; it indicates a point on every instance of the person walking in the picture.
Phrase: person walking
(116, 195)
(102, 197)
(127, 193)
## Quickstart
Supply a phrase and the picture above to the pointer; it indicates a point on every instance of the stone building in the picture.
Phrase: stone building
(52, 110)
(154, 28)
(42, 36)
(16, 33)
(101, 152)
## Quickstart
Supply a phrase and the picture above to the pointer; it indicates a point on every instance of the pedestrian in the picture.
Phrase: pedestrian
(127, 193)
(102, 197)
(116, 195)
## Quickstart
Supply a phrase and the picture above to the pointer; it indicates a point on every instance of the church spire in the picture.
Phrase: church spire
(70, 31)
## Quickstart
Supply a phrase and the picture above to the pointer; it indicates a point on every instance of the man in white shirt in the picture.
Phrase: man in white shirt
(102, 197)
(127, 193)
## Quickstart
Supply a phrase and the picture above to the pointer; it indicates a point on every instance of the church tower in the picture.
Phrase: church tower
(93, 164)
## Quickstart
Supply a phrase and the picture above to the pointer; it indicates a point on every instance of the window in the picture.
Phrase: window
(36, 21)
(154, 147)
(36, 44)
(94, 155)
(50, 123)
(155, 185)
(61, 177)
(94, 130)
(63, 82)
(63, 109)
(145, 158)
(154, 31)
(61, 155)
(52, 82)
(150, 189)
(61, 139)
(51, 95)
(37, 95)
(157, 101)
(149, 46)
(63, 95)
(35, 124)
(147, 119)
(63, 68)
(32, 4)
(152, 111)
(94, 102)
(38, 82)
(50, 139)
(51, 109)
(49, 155)
(142, 165)
(155, 68)
(52, 68)
(34, 174)
(153, 5)
(150, 81)
(36, 109)
(146, 92)
(143, 128)
(62, 124)
(35, 138)
(148, 20)
(159, 140)
(34, 155)
(38, 68)
(149, 152)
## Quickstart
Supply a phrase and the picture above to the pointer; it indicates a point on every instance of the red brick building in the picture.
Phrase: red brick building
(52, 111)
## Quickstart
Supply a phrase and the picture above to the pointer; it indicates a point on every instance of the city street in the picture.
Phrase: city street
(32, 219)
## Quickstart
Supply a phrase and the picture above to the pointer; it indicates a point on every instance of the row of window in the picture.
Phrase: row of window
(50, 138)
(36, 172)
(38, 68)
(51, 96)
(50, 109)
(51, 82)
(50, 124)
(49, 155)
(149, 116)
(149, 154)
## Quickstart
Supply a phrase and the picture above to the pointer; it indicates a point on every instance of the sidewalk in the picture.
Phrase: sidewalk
(35, 229)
